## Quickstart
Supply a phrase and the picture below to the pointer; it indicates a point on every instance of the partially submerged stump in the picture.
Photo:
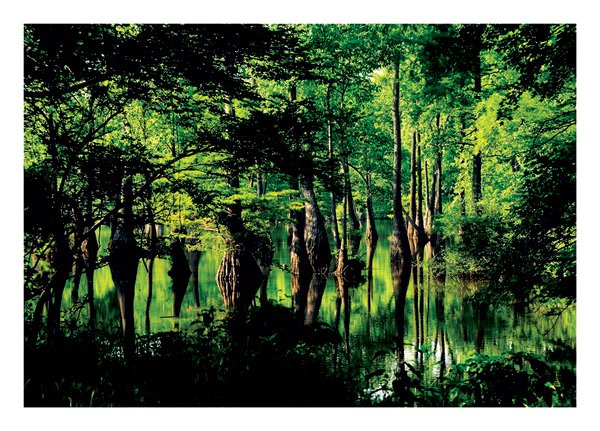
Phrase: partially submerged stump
(239, 277)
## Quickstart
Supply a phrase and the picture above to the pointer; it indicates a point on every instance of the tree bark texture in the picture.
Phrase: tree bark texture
(413, 229)
(400, 248)
(239, 277)
(315, 235)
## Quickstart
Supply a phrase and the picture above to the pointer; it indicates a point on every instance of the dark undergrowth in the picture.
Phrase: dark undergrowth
(263, 358)
(268, 358)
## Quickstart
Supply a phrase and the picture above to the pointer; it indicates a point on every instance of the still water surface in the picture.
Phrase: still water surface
(441, 326)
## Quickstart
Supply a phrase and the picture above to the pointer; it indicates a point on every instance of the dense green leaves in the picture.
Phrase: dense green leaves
(220, 127)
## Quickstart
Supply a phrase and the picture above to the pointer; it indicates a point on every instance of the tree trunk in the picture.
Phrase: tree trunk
(180, 275)
(422, 315)
(89, 248)
(299, 263)
(300, 269)
(350, 210)
(261, 184)
(476, 175)
(343, 253)
(344, 298)
(78, 264)
(334, 221)
(400, 282)
(371, 230)
(262, 251)
(36, 320)
(315, 235)
(400, 249)
(194, 260)
(371, 247)
(89, 253)
(428, 201)
(300, 284)
(415, 283)
(151, 240)
(476, 181)
(440, 317)
(239, 276)
(419, 219)
(61, 263)
(412, 231)
(77, 270)
(353, 219)
(149, 295)
(438, 196)
(316, 242)
(314, 298)
(352, 235)
(437, 241)
(123, 263)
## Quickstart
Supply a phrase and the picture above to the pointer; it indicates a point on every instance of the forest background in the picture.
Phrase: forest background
(384, 12)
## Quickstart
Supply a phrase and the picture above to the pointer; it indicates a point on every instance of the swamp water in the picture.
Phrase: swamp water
(441, 327)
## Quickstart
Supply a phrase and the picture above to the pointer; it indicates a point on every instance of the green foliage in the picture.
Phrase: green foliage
(478, 244)
(514, 379)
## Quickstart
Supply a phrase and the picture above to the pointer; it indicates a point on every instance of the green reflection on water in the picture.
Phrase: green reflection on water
(441, 327)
